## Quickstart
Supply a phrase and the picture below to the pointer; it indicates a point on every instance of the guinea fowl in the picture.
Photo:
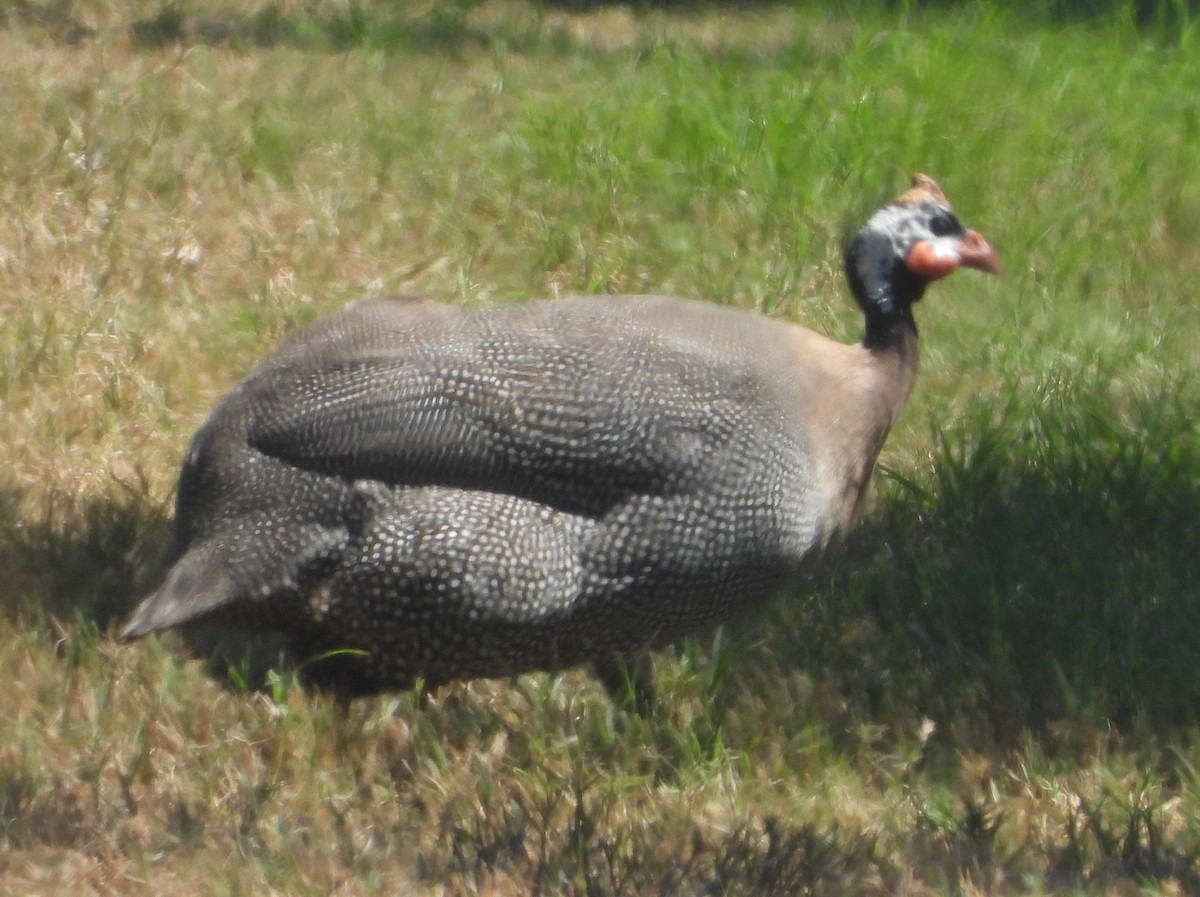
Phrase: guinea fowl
(408, 492)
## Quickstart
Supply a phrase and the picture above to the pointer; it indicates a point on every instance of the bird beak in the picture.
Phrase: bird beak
(933, 259)
(977, 253)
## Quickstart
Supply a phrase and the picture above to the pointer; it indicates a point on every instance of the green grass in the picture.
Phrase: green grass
(991, 690)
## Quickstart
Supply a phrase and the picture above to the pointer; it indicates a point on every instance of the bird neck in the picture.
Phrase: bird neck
(891, 342)
(894, 330)
(885, 290)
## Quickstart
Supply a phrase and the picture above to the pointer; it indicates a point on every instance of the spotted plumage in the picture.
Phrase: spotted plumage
(408, 491)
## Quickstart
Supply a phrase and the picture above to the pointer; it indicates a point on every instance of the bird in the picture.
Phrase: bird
(408, 493)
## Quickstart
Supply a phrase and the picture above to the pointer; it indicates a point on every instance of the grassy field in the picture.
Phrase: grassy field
(991, 690)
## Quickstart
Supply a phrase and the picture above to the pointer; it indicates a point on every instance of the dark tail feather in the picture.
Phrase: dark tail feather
(196, 585)
(247, 563)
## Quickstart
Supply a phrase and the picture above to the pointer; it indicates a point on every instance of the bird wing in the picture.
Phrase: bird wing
(570, 410)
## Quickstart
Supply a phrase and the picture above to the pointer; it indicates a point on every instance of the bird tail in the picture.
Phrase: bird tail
(196, 585)
(240, 569)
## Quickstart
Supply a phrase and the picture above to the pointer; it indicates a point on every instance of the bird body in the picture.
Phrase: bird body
(414, 492)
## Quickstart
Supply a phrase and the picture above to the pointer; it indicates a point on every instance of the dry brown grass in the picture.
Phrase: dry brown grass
(537, 789)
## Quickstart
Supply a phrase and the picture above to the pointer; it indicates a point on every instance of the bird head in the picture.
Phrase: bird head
(908, 243)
